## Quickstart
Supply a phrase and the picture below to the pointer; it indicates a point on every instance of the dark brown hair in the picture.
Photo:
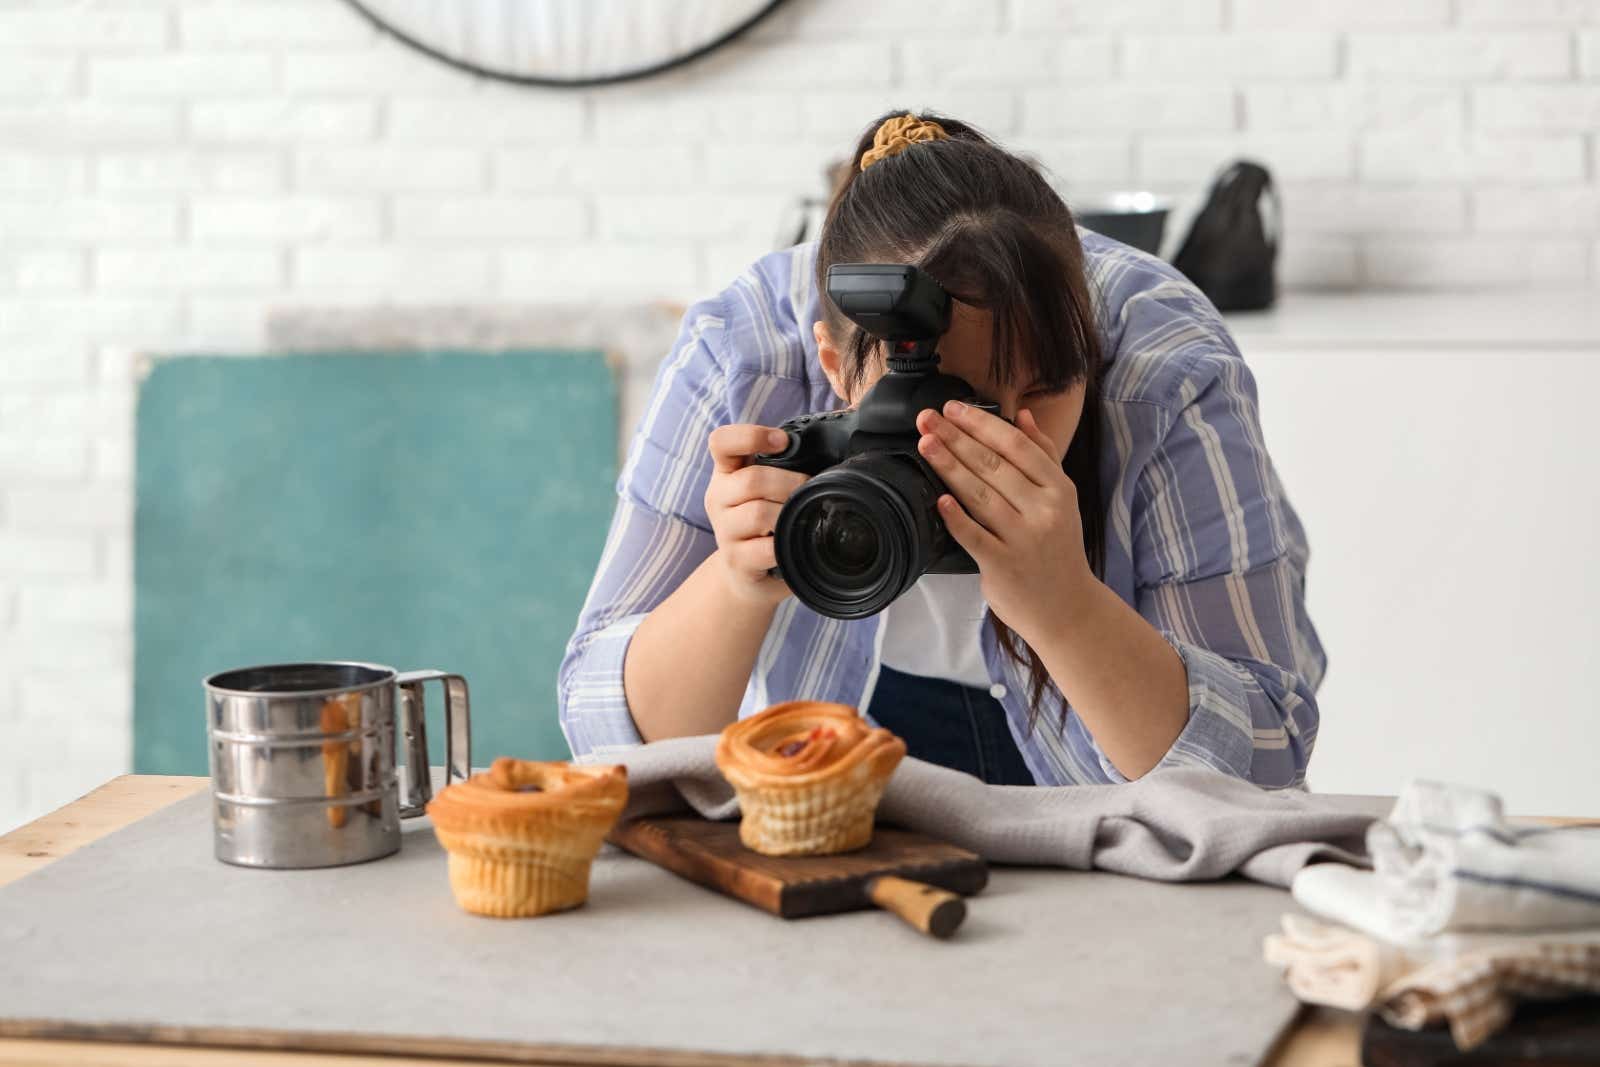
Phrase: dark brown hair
(989, 228)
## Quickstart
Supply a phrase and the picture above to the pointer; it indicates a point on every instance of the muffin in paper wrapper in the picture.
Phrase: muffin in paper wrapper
(522, 836)
(809, 775)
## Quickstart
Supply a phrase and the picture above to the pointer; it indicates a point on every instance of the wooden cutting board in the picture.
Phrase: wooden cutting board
(918, 878)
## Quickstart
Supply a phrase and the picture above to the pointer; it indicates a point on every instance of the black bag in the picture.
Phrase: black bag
(1232, 248)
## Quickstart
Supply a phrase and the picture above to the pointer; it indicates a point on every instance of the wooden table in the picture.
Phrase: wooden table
(1319, 1037)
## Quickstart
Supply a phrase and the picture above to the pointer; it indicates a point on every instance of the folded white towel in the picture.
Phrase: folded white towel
(1446, 859)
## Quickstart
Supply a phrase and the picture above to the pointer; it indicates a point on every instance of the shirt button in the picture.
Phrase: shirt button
(997, 691)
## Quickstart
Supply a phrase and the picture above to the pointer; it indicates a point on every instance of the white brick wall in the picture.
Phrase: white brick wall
(172, 169)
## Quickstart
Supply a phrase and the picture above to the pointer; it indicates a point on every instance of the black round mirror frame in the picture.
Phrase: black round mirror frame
(567, 83)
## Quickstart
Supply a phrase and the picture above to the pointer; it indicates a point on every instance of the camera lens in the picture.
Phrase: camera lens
(856, 536)
(845, 541)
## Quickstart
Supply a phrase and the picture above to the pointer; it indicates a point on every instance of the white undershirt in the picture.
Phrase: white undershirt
(932, 630)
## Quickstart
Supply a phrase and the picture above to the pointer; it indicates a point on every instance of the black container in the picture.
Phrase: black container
(1141, 229)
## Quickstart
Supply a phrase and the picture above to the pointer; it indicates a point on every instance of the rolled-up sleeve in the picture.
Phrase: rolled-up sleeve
(658, 536)
(1221, 560)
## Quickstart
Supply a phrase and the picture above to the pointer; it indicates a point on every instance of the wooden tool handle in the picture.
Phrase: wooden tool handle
(936, 912)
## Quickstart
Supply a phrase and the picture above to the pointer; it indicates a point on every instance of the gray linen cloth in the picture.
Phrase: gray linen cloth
(1178, 824)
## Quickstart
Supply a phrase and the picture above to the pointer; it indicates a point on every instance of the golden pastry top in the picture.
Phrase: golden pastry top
(899, 133)
(805, 739)
(515, 787)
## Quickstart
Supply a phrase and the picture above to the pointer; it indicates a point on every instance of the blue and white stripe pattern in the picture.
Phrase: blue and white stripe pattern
(1201, 540)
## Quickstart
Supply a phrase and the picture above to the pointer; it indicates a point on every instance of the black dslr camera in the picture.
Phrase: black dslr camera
(866, 526)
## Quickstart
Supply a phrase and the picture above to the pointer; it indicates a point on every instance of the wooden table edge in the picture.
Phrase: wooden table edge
(292, 1048)
(120, 802)
(1316, 1036)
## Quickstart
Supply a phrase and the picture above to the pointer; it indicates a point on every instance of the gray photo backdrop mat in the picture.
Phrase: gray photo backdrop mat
(145, 927)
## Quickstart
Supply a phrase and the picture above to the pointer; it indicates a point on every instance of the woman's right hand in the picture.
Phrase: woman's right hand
(742, 502)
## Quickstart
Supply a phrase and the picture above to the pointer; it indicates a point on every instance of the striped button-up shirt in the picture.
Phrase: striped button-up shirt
(1200, 538)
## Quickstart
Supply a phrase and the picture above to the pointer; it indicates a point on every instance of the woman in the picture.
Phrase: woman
(1140, 601)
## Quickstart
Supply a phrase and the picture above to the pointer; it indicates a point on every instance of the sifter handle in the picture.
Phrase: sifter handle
(414, 727)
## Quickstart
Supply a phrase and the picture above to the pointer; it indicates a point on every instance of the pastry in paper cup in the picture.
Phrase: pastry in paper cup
(809, 775)
(522, 836)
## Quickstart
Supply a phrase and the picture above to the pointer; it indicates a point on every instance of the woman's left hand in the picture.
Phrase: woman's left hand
(1014, 509)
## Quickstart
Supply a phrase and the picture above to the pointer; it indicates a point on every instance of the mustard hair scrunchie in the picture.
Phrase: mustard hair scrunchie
(898, 134)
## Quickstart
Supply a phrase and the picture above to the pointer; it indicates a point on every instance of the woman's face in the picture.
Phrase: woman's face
(966, 351)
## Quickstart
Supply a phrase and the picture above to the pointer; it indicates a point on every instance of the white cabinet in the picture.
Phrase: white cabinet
(1451, 495)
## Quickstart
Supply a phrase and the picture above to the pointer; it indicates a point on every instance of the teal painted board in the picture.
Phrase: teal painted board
(441, 509)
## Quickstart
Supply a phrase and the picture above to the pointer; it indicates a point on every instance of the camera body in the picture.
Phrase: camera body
(866, 526)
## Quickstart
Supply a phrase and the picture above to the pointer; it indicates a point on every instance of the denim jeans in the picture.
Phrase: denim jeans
(950, 724)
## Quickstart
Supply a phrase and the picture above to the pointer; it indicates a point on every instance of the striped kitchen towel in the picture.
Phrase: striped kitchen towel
(1477, 992)
(1472, 983)
(1445, 859)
